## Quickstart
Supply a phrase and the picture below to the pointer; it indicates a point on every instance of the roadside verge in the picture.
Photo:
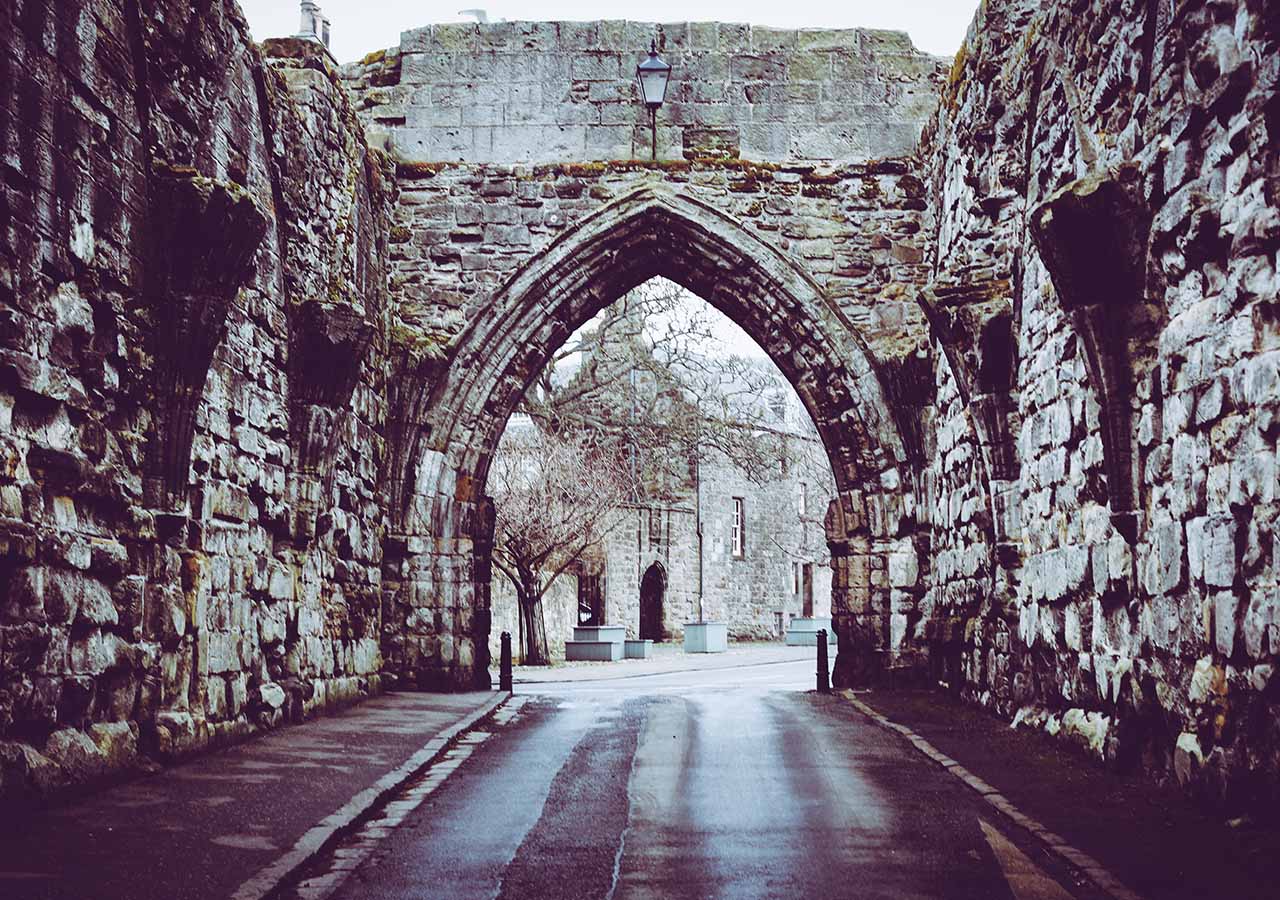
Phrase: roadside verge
(319, 836)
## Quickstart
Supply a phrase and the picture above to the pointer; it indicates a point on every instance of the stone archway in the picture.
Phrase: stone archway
(653, 589)
(652, 231)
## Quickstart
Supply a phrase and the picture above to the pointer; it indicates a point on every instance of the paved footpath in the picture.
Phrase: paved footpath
(1154, 840)
(230, 824)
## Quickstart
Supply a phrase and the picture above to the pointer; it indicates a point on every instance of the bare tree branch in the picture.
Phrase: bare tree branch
(555, 497)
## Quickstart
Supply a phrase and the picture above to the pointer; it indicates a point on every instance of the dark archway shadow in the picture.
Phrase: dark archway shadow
(653, 591)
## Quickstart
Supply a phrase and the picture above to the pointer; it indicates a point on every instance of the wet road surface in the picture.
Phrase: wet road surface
(736, 783)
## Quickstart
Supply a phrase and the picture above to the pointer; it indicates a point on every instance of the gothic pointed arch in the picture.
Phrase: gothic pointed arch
(653, 231)
(441, 460)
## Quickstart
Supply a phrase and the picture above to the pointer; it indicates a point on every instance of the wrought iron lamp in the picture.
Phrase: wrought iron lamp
(652, 75)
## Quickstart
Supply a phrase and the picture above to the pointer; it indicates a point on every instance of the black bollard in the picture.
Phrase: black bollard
(504, 663)
(824, 680)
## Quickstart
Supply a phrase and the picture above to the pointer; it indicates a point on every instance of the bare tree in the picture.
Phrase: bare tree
(652, 396)
(556, 497)
(651, 383)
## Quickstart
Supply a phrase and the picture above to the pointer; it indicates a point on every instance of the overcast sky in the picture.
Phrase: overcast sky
(359, 26)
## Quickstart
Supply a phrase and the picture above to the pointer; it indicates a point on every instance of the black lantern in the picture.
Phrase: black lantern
(652, 75)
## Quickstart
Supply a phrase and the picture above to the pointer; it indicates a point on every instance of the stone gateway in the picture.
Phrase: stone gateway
(264, 317)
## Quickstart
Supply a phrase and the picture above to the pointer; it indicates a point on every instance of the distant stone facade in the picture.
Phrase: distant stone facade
(784, 569)
(252, 368)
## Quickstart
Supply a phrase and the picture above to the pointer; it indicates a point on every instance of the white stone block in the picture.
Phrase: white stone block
(706, 637)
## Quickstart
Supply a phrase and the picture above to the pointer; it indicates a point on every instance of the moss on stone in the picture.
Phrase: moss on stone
(418, 346)
(759, 170)
(420, 169)
(955, 78)
(822, 178)
(336, 293)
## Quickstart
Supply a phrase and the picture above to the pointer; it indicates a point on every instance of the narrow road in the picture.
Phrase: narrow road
(733, 783)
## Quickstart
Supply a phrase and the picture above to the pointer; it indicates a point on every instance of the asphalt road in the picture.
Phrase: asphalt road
(733, 783)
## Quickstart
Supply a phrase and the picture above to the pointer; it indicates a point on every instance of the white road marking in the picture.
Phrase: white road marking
(353, 851)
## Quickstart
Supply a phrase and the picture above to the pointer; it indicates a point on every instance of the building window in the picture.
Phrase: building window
(590, 599)
(739, 526)
(804, 498)
(655, 527)
(795, 578)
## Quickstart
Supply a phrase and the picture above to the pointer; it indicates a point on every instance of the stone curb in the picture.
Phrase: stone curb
(314, 840)
(1097, 874)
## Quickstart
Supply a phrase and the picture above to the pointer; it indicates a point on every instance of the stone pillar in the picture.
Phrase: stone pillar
(858, 624)
(482, 575)
(436, 596)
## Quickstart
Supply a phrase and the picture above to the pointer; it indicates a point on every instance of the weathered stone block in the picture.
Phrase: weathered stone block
(117, 742)
(1188, 758)
(1065, 571)
(1260, 625)
(1164, 565)
(271, 696)
(94, 653)
(79, 758)
(1225, 626)
(904, 566)
(1211, 550)
(280, 582)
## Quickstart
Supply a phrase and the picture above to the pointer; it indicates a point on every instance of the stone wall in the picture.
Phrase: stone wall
(632, 549)
(560, 614)
(189, 513)
(1105, 294)
(550, 92)
(252, 371)
(748, 591)
(461, 231)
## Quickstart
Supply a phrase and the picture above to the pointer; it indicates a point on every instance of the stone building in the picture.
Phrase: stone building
(726, 548)
(263, 319)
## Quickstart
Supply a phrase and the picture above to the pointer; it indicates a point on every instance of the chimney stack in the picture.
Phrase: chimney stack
(314, 26)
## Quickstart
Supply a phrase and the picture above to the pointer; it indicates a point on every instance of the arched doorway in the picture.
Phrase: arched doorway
(653, 589)
(439, 466)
